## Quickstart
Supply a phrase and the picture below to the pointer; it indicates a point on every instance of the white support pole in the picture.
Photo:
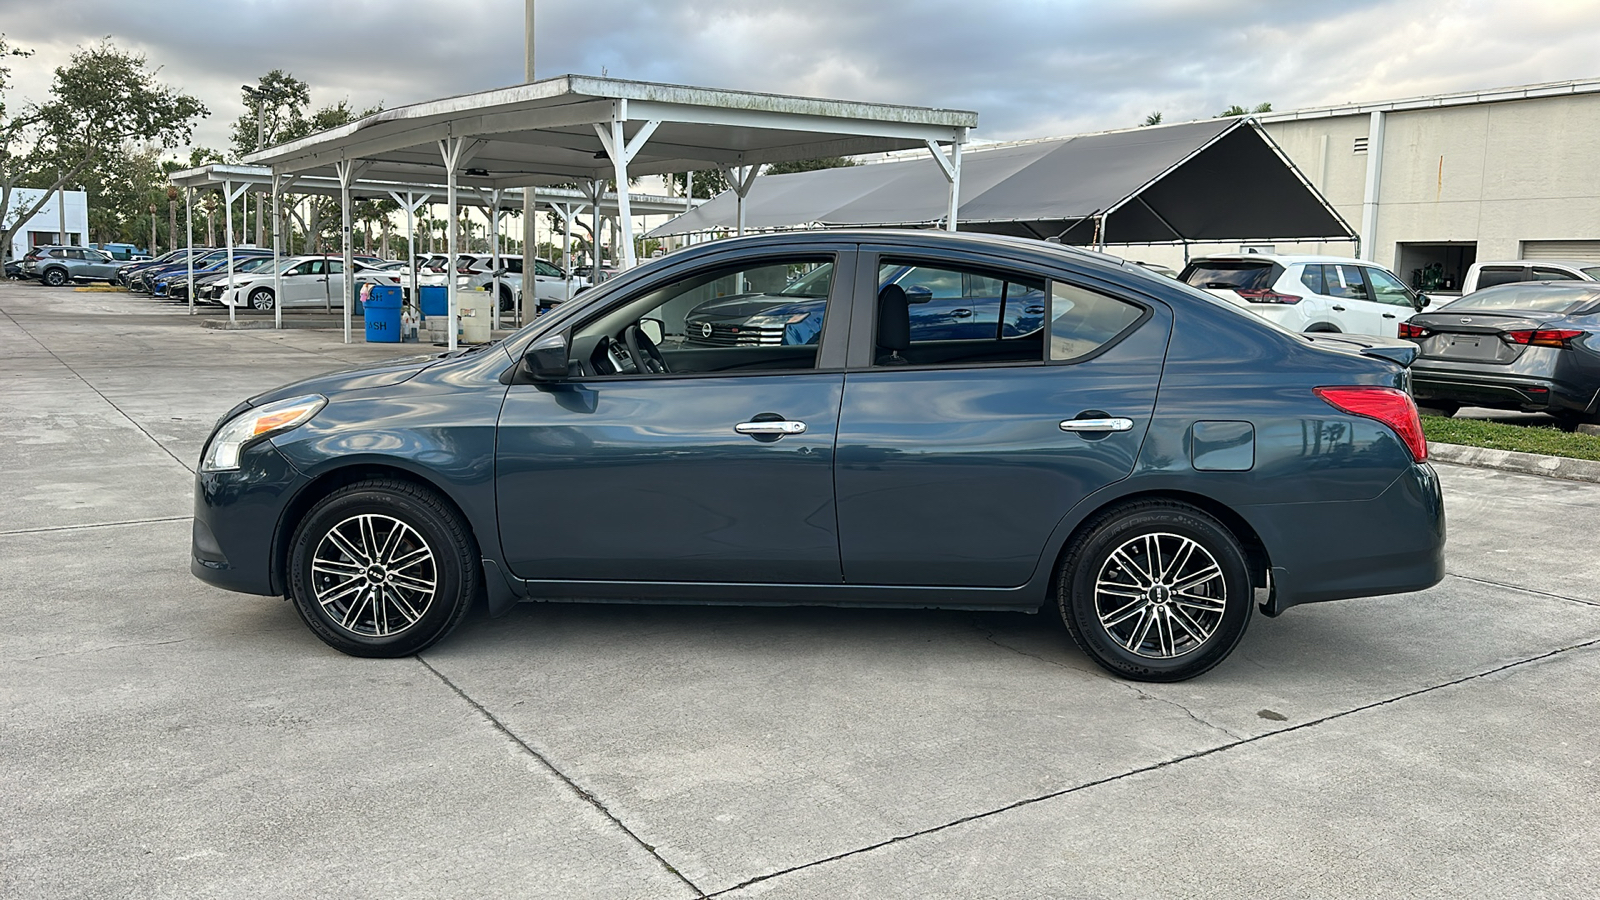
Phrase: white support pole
(347, 280)
(494, 235)
(952, 174)
(1369, 204)
(742, 178)
(277, 248)
(227, 224)
(450, 149)
(188, 239)
(622, 152)
(566, 245)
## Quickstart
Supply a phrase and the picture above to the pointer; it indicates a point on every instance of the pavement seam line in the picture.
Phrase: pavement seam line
(1153, 767)
(989, 636)
(1525, 590)
(90, 386)
(50, 528)
(584, 795)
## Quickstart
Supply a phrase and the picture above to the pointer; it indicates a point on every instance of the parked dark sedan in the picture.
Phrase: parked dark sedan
(1531, 346)
(1139, 465)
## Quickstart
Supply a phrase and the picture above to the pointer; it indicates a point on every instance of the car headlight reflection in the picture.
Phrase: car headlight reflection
(253, 424)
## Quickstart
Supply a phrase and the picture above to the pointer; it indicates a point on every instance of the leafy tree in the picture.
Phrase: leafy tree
(1152, 119)
(100, 103)
(283, 99)
(1237, 110)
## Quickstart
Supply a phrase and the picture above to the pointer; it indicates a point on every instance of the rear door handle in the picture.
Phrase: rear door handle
(961, 313)
(1339, 308)
(1114, 423)
(1388, 315)
(778, 427)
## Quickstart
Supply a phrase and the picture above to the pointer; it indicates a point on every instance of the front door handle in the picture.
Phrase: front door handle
(778, 428)
(1110, 423)
(961, 313)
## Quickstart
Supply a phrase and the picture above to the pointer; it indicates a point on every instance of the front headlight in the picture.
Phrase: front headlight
(253, 424)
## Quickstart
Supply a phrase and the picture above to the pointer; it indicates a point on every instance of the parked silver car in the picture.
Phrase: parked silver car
(57, 265)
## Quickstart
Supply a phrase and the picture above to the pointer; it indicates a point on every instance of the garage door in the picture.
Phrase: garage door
(1561, 250)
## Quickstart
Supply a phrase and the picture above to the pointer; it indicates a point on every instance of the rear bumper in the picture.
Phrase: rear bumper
(1502, 390)
(1392, 544)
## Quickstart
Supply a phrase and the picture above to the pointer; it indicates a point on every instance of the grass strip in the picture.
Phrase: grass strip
(1505, 436)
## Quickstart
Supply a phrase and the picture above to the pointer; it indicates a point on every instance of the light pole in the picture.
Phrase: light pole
(257, 96)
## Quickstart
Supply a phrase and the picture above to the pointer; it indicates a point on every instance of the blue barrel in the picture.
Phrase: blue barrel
(435, 299)
(383, 314)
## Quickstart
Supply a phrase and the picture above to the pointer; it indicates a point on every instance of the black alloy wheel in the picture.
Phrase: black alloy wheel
(383, 568)
(1155, 590)
(55, 277)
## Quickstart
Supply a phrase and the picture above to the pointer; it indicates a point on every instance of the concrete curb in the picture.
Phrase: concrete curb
(1512, 461)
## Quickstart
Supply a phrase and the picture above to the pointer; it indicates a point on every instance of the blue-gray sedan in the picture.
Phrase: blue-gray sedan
(1142, 463)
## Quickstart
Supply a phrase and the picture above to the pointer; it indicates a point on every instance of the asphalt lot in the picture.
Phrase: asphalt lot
(161, 738)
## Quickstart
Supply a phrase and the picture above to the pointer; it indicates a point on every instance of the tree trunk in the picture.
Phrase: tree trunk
(172, 225)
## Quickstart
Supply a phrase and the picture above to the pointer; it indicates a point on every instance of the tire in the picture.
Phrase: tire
(1173, 633)
(508, 304)
(351, 594)
(54, 277)
(261, 298)
(1444, 408)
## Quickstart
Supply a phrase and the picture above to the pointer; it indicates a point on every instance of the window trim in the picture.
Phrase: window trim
(839, 296)
(865, 316)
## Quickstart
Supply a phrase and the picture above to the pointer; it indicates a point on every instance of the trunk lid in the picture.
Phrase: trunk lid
(1475, 335)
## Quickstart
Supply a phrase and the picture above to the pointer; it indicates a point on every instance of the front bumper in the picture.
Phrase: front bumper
(236, 521)
(1321, 551)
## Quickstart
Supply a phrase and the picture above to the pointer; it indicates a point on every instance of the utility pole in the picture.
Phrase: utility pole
(529, 205)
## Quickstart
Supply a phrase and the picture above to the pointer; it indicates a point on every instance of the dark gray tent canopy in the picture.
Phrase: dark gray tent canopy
(1214, 180)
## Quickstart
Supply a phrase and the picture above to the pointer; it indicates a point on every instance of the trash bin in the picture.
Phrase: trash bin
(435, 299)
(477, 316)
(383, 314)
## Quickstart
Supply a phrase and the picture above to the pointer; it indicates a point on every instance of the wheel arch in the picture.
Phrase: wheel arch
(331, 480)
(1255, 550)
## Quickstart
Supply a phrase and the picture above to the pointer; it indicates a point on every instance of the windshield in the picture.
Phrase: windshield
(1231, 274)
(1531, 296)
(814, 283)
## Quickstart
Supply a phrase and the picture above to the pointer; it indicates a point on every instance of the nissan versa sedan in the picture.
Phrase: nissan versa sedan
(1531, 346)
(1143, 463)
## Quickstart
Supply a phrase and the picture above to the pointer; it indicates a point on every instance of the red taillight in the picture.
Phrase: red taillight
(1392, 407)
(1417, 332)
(1542, 337)
(1267, 295)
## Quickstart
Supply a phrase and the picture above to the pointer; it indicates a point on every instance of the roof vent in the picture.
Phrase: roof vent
(1360, 145)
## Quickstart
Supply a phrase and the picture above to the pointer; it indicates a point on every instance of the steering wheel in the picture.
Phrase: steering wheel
(647, 358)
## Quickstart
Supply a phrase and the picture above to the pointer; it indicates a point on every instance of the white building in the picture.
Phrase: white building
(46, 226)
(1508, 173)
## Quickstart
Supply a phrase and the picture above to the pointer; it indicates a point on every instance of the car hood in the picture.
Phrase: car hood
(367, 375)
(742, 305)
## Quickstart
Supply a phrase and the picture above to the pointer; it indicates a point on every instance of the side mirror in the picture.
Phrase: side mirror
(547, 358)
(1423, 301)
(918, 293)
(654, 329)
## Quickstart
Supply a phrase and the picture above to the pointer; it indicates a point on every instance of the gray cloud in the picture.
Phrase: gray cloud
(1029, 67)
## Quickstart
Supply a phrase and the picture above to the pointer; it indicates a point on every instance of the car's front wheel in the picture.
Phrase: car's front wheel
(382, 568)
(1155, 590)
(261, 298)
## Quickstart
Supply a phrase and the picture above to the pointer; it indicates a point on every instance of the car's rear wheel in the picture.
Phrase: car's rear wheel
(55, 278)
(1155, 590)
(382, 568)
(261, 298)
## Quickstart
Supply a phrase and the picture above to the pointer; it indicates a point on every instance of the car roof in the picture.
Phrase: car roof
(1575, 263)
(1284, 259)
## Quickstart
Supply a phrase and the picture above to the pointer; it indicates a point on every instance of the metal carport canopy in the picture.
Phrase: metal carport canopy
(1217, 179)
(581, 128)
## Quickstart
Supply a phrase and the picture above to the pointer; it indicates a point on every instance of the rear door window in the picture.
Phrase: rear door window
(1344, 282)
(1082, 321)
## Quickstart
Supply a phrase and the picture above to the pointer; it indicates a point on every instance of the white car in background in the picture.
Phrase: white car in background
(1310, 293)
(305, 281)
(550, 286)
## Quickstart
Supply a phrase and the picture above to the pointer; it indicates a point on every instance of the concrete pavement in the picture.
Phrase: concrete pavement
(165, 739)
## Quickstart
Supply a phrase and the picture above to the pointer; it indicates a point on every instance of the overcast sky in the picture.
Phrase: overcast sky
(1030, 68)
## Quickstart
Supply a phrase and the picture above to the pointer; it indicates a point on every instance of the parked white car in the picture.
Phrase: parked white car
(1310, 293)
(550, 286)
(305, 281)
